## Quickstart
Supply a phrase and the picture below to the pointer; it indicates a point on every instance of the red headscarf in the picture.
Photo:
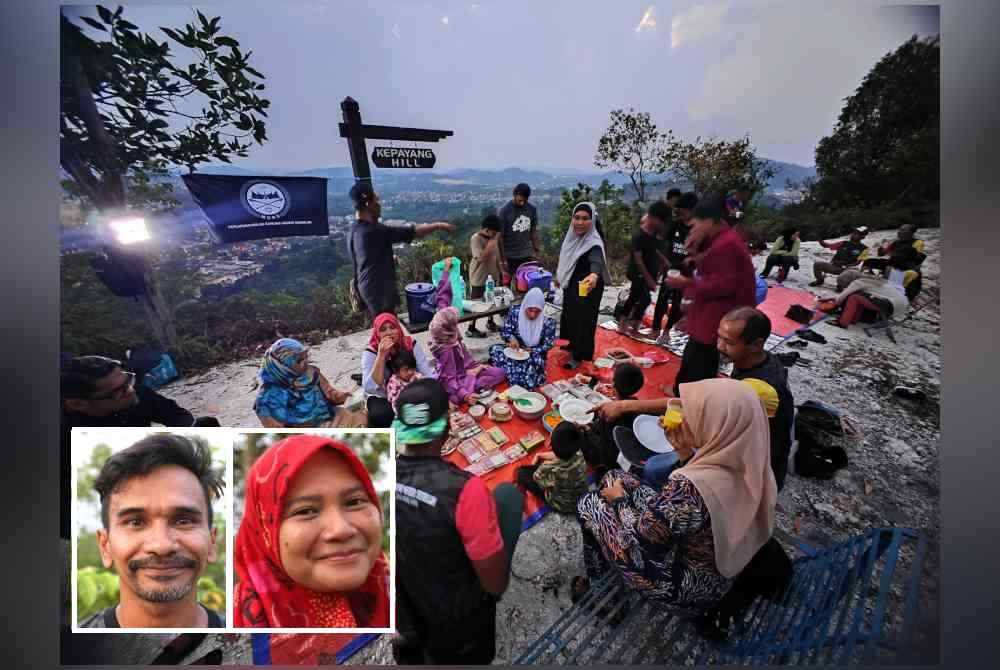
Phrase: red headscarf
(265, 596)
(387, 317)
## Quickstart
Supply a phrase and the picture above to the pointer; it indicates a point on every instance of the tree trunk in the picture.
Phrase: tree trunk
(159, 314)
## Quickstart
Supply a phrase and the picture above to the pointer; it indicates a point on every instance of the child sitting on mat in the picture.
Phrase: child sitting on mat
(405, 365)
(558, 478)
(600, 451)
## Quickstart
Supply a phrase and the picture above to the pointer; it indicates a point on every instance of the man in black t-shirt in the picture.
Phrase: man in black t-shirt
(644, 265)
(676, 254)
(370, 244)
(849, 253)
(742, 334)
(519, 239)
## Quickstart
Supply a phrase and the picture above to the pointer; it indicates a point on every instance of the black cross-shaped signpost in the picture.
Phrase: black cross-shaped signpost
(357, 132)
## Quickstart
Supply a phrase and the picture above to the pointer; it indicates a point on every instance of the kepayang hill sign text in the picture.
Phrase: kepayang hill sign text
(403, 157)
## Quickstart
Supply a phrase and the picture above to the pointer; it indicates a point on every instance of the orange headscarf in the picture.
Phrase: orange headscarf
(732, 469)
(265, 596)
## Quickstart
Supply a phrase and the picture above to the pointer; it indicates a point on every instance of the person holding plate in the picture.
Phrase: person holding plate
(684, 544)
(582, 274)
(529, 334)
(459, 373)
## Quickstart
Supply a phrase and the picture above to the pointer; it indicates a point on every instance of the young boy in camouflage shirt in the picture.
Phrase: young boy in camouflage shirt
(559, 478)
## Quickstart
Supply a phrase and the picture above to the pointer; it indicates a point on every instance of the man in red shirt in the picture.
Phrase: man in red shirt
(723, 281)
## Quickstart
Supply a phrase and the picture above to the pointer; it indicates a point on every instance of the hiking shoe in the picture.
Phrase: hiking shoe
(475, 332)
(798, 344)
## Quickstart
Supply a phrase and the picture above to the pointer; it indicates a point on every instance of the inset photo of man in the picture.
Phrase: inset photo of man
(150, 528)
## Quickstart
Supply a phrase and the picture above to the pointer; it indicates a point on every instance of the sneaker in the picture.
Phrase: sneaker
(816, 283)
(474, 332)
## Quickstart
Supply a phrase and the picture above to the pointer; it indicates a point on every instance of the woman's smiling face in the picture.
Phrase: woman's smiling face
(331, 532)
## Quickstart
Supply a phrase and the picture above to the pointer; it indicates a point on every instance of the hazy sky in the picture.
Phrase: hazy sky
(529, 83)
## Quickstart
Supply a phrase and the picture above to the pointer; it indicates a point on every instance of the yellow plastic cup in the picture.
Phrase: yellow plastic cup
(584, 288)
(672, 418)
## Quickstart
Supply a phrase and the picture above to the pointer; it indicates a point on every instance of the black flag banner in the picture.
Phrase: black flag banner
(254, 208)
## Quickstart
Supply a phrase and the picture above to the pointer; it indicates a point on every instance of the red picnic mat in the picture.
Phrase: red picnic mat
(775, 305)
(779, 299)
(656, 376)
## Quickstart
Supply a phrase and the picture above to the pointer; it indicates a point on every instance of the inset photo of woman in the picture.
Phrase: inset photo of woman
(313, 512)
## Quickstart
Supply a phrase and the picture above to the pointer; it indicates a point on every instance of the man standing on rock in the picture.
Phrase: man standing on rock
(454, 541)
(725, 279)
(519, 239)
(371, 249)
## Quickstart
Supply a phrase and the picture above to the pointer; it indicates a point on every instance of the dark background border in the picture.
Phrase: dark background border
(30, 341)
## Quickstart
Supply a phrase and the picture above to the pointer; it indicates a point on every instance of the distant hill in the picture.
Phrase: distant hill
(392, 181)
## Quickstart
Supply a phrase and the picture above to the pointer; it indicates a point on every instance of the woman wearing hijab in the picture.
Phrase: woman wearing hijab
(295, 394)
(386, 338)
(583, 268)
(683, 544)
(784, 254)
(309, 547)
(526, 328)
(458, 371)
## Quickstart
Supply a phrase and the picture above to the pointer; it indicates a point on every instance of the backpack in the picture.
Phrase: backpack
(820, 432)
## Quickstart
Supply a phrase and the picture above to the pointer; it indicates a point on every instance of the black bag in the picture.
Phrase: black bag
(819, 431)
(800, 314)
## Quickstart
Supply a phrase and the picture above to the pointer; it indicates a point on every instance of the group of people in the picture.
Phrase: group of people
(681, 528)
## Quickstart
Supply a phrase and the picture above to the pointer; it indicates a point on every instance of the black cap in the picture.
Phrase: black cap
(361, 193)
(421, 403)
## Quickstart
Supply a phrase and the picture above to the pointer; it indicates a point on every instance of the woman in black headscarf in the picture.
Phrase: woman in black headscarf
(583, 269)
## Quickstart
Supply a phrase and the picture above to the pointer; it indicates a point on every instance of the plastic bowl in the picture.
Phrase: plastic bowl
(530, 406)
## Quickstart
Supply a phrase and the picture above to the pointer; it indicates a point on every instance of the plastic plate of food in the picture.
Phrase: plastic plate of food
(551, 420)
(578, 411)
(604, 363)
(516, 354)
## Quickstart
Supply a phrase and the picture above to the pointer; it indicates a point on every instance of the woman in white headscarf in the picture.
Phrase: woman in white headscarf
(526, 329)
(582, 274)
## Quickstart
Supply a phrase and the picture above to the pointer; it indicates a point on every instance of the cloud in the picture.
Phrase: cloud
(783, 76)
(647, 22)
(696, 24)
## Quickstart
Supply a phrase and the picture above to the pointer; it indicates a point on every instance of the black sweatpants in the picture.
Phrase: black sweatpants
(638, 300)
(699, 361)
(671, 297)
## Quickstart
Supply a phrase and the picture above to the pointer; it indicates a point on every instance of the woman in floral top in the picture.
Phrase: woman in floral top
(528, 329)
(684, 544)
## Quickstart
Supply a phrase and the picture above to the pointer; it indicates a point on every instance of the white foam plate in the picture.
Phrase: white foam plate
(578, 411)
(516, 354)
(604, 363)
(647, 430)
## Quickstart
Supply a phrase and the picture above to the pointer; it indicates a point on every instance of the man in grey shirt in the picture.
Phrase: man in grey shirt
(371, 248)
(519, 240)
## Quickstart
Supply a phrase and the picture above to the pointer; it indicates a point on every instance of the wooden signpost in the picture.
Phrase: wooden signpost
(357, 132)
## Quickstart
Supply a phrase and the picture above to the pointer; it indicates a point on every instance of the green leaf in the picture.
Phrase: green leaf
(128, 26)
(94, 24)
(104, 13)
(254, 72)
(226, 42)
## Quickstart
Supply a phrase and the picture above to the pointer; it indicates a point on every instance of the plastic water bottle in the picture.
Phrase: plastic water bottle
(490, 289)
